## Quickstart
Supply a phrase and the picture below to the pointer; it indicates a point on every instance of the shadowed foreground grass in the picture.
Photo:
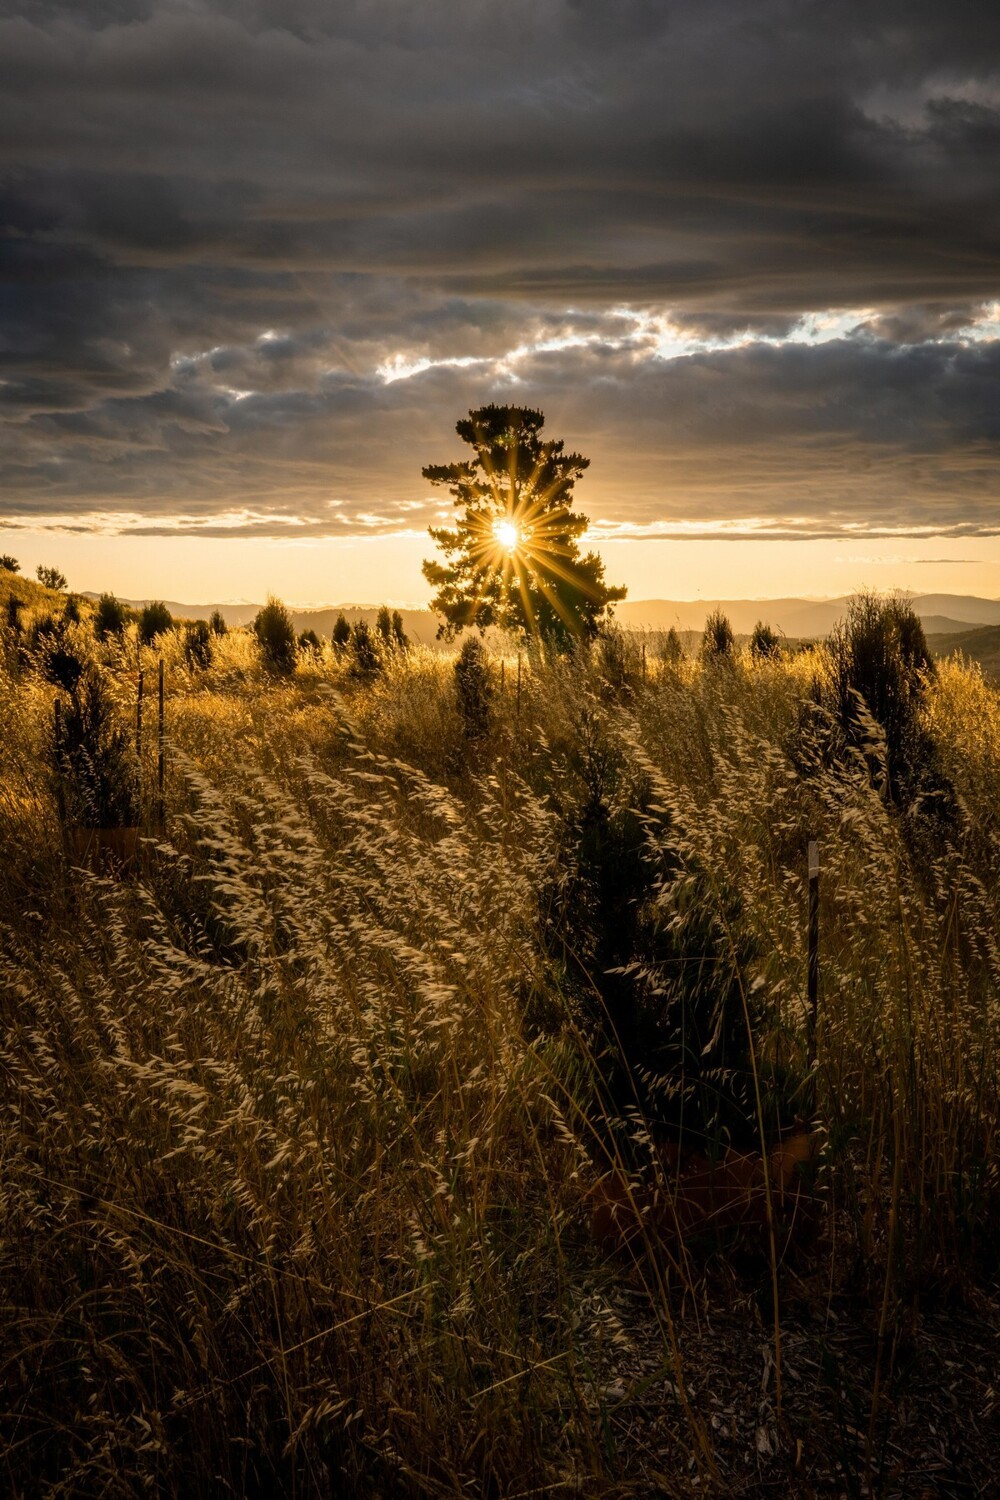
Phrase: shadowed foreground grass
(297, 1123)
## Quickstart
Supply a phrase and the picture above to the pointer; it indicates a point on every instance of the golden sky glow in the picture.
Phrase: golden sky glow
(372, 569)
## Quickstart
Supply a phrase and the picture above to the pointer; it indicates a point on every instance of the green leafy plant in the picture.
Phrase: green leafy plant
(154, 619)
(881, 663)
(198, 645)
(94, 758)
(764, 642)
(110, 617)
(717, 641)
(367, 658)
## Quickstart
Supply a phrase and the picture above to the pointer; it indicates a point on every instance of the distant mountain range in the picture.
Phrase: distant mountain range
(800, 619)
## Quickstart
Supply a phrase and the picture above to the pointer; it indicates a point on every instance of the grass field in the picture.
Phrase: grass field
(300, 1117)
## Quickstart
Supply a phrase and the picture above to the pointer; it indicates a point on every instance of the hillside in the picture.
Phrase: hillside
(981, 645)
(398, 1100)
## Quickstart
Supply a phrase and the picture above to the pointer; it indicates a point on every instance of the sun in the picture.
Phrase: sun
(507, 534)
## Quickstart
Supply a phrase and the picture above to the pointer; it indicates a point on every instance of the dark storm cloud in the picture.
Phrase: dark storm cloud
(220, 221)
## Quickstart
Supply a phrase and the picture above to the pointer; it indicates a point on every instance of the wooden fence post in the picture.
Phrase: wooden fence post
(57, 730)
(812, 980)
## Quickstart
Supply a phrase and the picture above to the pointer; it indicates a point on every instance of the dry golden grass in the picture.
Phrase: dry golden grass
(297, 1124)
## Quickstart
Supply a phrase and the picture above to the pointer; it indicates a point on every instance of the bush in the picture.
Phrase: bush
(95, 759)
(154, 619)
(364, 648)
(48, 642)
(718, 640)
(341, 633)
(310, 641)
(400, 639)
(671, 651)
(880, 658)
(9, 564)
(216, 623)
(764, 642)
(474, 689)
(383, 624)
(276, 637)
(50, 578)
(198, 645)
(654, 946)
(619, 658)
(110, 617)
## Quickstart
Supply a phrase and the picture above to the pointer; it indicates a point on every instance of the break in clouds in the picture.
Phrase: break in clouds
(258, 258)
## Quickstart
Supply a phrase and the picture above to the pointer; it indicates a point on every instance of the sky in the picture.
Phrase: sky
(257, 257)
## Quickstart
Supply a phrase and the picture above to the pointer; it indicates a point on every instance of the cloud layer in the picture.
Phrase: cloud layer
(257, 258)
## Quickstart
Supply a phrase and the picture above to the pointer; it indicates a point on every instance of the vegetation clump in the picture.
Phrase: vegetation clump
(94, 758)
(765, 643)
(880, 668)
(671, 650)
(717, 642)
(110, 617)
(198, 645)
(474, 689)
(275, 634)
(154, 619)
(50, 578)
(367, 659)
(341, 634)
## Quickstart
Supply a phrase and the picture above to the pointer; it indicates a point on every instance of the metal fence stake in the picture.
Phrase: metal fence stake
(161, 759)
(812, 980)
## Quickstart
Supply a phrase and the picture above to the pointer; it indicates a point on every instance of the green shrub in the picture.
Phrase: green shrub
(217, 623)
(619, 660)
(718, 641)
(341, 633)
(310, 641)
(95, 759)
(400, 639)
(9, 564)
(671, 650)
(367, 661)
(47, 643)
(154, 619)
(198, 645)
(50, 578)
(110, 617)
(276, 637)
(764, 642)
(881, 663)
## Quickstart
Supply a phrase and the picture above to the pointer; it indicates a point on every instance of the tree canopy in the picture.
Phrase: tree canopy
(513, 556)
